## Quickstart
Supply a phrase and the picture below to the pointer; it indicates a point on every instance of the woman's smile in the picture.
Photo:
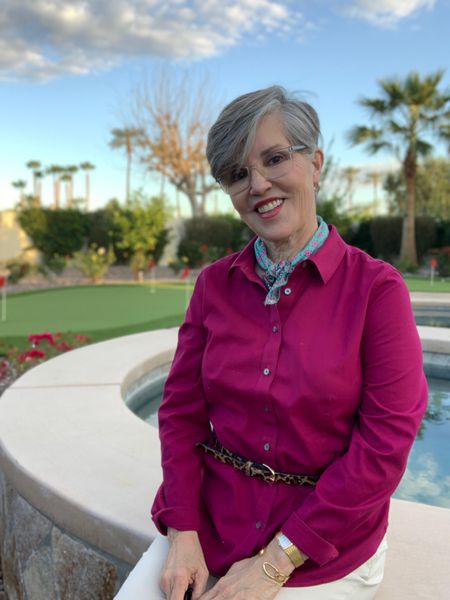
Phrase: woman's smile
(268, 208)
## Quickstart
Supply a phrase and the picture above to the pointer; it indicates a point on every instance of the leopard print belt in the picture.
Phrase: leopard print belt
(254, 469)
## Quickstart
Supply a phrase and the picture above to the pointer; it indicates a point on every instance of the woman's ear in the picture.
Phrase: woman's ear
(317, 162)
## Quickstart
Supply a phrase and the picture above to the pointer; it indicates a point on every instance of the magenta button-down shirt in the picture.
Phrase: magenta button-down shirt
(328, 381)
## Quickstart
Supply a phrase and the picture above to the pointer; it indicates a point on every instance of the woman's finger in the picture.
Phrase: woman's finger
(199, 585)
(178, 590)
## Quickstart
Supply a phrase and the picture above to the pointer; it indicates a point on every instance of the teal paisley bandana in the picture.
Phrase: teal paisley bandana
(276, 275)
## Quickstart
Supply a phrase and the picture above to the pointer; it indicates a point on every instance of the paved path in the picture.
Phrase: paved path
(441, 298)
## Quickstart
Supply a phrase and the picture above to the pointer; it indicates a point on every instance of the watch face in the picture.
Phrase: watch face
(284, 541)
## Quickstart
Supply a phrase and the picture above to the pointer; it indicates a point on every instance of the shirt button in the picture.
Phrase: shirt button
(275, 329)
(258, 524)
(287, 291)
(266, 447)
(266, 371)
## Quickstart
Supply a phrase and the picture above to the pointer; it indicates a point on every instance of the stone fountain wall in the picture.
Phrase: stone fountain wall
(42, 562)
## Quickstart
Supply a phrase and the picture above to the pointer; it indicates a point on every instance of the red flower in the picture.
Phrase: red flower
(64, 346)
(184, 273)
(37, 338)
(30, 355)
(204, 248)
(4, 369)
(82, 338)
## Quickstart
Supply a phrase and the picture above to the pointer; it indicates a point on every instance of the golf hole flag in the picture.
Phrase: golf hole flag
(3, 293)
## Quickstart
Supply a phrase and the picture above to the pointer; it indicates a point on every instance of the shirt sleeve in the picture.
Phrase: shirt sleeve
(394, 398)
(183, 421)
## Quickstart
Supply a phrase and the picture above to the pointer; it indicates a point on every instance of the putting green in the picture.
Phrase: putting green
(101, 311)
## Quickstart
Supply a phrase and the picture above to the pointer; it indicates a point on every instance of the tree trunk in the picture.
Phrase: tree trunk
(128, 176)
(408, 251)
(88, 191)
(58, 192)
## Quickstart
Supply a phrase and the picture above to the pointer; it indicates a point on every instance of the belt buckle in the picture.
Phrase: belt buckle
(271, 471)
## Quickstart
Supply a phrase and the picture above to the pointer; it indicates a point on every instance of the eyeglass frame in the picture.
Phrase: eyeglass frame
(291, 149)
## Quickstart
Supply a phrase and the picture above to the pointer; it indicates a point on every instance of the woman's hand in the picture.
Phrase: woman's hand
(246, 579)
(185, 566)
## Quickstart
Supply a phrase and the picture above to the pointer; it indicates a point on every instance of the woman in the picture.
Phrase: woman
(295, 393)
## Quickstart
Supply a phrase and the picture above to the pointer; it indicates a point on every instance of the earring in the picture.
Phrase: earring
(317, 187)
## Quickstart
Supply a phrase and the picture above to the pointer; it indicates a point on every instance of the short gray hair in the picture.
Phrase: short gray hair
(232, 135)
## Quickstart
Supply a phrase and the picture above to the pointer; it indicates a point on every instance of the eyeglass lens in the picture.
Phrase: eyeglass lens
(273, 166)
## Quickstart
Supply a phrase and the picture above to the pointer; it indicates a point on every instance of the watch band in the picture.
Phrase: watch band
(290, 549)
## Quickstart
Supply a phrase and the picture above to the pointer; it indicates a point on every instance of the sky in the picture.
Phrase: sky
(69, 69)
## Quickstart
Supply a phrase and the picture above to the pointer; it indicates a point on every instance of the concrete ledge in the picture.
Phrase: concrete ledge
(417, 566)
(71, 448)
(435, 339)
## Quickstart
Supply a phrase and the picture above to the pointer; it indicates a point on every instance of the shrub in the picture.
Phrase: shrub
(442, 234)
(328, 210)
(442, 256)
(241, 234)
(52, 232)
(55, 263)
(425, 235)
(386, 233)
(99, 227)
(206, 239)
(140, 224)
(359, 235)
(94, 262)
(404, 266)
(17, 269)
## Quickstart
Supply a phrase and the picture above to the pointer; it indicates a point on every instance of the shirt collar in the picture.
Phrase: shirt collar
(326, 259)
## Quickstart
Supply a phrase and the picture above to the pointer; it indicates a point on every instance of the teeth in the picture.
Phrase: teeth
(269, 206)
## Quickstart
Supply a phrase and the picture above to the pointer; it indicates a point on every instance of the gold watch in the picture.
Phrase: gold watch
(290, 549)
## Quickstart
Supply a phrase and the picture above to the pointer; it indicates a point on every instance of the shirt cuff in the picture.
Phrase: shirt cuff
(308, 541)
(179, 518)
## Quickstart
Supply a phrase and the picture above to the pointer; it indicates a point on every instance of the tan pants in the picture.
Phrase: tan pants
(361, 584)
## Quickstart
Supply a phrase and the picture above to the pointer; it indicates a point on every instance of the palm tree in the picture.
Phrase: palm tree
(35, 165)
(350, 174)
(126, 138)
(374, 177)
(20, 185)
(56, 171)
(38, 176)
(87, 166)
(69, 170)
(406, 112)
(67, 178)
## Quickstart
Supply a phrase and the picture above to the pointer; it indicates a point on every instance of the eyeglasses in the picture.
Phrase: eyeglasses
(275, 164)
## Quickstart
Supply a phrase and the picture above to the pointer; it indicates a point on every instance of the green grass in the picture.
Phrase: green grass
(422, 284)
(101, 312)
(106, 311)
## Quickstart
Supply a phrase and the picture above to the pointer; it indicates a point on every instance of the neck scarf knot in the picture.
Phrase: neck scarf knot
(276, 275)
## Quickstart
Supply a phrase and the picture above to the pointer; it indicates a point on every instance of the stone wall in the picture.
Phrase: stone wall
(13, 240)
(41, 562)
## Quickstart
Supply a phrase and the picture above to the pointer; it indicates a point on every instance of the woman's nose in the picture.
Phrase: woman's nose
(258, 181)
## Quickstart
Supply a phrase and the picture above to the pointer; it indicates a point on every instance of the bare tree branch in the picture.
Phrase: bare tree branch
(174, 115)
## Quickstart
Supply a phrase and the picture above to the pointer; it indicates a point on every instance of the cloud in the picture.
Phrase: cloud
(42, 39)
(386, 13)
(423, 482)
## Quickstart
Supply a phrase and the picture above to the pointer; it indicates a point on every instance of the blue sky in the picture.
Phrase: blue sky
(68, 68)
